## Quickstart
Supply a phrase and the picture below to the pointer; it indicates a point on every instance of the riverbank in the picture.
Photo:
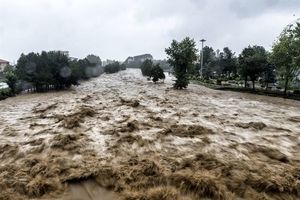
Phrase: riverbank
(257, 91)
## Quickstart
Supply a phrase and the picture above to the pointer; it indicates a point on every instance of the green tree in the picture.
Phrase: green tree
(123, 66)
(11, 78)
(26, 67)
(252, 62)
(46, 70)
(93, 66)
(268, 75)
(94, 60)
(76, 74)
(182, 56)
(229, 62)
(157, 73)
(84, 71)
(286, 54)
(146, 67)
(59, 69)
(209, 62)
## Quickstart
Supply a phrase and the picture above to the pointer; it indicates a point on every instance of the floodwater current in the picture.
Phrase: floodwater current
(121, 136)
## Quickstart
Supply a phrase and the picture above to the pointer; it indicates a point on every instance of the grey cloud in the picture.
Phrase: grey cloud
(246, 8)
(116, 29)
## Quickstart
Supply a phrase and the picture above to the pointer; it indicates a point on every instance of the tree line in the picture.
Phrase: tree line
(52, 70)
(282, 63)
(55, 70)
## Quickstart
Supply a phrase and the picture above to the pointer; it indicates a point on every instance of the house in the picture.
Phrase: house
(3, 64)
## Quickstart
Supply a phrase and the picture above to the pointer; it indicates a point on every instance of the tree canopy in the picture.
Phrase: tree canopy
(55, 70)
(252, 62)
(45, 70)
(228, 62)
(286, 54)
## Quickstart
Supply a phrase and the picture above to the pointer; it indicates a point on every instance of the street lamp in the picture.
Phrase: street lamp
(202, 41)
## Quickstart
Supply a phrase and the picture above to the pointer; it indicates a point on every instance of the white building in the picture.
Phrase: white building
(3, 64)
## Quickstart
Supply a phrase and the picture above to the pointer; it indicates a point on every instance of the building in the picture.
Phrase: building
(3, 64)
(136, 61)
(139, 58)
(66, 53)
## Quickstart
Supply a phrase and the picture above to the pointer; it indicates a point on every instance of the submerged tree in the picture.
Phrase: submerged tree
(157, 73)
(146, 67)
(182, 56)
(152, 71)
(286, 54)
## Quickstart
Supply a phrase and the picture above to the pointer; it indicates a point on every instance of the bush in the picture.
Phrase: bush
(157, 73)
(146, 67)
(112, 68)
(5, 93)
(152, 71)
(297, 91)
(123, 67)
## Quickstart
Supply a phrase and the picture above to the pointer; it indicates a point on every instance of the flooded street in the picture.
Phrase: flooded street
(133, 139)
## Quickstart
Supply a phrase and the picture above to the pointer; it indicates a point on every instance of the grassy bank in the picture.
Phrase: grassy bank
(249, 90)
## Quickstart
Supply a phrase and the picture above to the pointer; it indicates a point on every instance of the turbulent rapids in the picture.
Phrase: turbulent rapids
(121, 137)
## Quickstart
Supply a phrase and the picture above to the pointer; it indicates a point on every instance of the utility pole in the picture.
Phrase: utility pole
(201, 69)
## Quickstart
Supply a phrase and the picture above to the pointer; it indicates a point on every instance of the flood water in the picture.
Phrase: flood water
(134, 139)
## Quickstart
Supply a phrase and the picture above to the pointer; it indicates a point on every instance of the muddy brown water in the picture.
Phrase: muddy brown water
(119, 136)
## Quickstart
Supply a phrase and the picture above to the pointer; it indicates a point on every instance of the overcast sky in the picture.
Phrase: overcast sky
(116, 29)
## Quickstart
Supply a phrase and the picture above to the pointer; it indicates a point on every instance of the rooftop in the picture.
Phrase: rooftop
(3, 61)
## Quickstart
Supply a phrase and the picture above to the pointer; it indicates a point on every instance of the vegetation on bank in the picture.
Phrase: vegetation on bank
(286, 54)
(259, 91)
(54, 70)
(278, 68)
(5, 93)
